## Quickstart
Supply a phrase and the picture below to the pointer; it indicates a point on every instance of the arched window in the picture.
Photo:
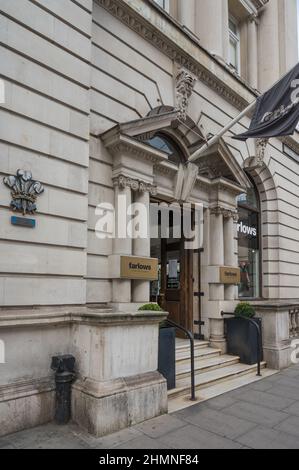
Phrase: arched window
(249, 243)
(165, 144)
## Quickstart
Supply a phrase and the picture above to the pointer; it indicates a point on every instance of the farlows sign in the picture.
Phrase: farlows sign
(230, 275)
(138, 268)
(247, 229)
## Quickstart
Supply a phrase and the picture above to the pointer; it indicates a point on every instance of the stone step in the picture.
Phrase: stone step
(183, 401)
(184, 357)
(184, 345)
(205, 364)
(213, 377)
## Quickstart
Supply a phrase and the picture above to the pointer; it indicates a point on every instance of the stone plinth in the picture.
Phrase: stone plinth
(116, 367)
(118, 383)
(276, 333)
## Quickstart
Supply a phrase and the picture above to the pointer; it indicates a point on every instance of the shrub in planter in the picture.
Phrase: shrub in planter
(242, 335)
(244, 309)
(151, 308)
(166, 347)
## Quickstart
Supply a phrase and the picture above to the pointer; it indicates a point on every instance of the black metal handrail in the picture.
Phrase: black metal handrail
(259, 338)
(191, 338)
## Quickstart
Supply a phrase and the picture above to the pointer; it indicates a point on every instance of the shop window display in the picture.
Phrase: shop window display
(249, 244)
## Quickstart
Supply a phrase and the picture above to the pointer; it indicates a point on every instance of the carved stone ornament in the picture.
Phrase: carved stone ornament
(227, 213)
(135, 185)
(184, 86)
(261, 145)
(24, 191)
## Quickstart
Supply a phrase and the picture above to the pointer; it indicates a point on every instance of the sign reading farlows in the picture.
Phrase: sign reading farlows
(230, 275)
(132, 267)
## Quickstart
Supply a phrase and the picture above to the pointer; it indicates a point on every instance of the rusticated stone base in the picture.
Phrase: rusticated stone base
(106, 407)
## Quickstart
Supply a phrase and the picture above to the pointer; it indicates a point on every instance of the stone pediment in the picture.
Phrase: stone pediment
(219, 162)
(161, 119)
(144, 127)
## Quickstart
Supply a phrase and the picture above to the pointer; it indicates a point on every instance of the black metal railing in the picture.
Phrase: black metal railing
(259, 339)
(191, 338)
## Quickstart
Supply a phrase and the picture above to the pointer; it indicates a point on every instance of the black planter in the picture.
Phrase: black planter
(242, 339)
(166, 355)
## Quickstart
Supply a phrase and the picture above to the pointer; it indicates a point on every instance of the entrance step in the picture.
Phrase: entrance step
(216, 376)
(204, 364)
(200, 353)
(184, 344)
(177, 403)
(215, 373)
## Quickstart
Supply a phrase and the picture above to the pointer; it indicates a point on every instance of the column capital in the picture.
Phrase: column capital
(226, 213)
(135, 185)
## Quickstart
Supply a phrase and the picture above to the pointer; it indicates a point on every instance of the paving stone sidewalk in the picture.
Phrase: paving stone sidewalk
(262, 415)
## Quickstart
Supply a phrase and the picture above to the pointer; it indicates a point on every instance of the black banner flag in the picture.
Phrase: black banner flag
(277, 111)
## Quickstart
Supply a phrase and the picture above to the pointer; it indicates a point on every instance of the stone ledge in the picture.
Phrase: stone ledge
(26, 388)
(44, 317)
(273, 306)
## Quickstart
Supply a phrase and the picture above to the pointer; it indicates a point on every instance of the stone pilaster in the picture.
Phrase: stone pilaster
(122, 243)
(142, 246)
(186, 13)
(252, 52)
(216, 249)
(229, 249)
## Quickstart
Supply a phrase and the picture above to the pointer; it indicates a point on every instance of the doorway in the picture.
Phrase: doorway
(173, 290)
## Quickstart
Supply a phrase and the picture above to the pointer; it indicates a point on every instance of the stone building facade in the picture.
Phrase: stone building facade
(89, 88)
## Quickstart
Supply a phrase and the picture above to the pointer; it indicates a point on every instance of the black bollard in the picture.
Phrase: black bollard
(64, 375)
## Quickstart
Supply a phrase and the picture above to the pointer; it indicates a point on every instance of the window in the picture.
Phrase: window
(249, 244)
(290, 153)
(163, 4)
(162, 143)
(234, 44)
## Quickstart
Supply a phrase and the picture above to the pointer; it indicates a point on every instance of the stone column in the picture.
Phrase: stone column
(216, 249)
(252, 52)
(122, 244)
(186, 13)
(142, 248)
(229, 250)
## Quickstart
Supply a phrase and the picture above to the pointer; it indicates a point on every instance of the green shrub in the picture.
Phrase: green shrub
(151, 308)
(244, 309)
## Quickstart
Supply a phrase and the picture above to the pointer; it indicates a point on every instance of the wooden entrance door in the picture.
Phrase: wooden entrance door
(177, 282)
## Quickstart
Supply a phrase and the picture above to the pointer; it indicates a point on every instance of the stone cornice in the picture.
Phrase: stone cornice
(165, 168)
(117, 144)
(172, 40)
(221, 184)
(68, 315)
